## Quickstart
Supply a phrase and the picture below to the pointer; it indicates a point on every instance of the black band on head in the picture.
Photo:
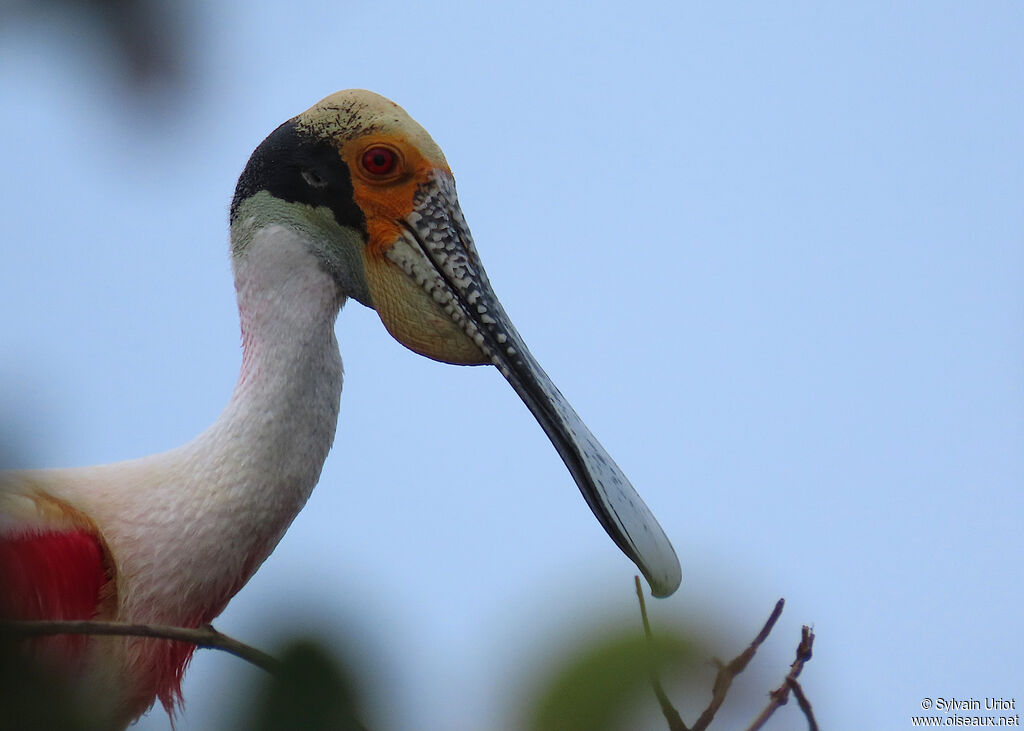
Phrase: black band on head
(299, 168)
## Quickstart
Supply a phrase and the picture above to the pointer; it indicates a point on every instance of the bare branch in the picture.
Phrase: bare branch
(780, 696)
(726, 673)
(675, 723)
(805, 705)
(205, 636)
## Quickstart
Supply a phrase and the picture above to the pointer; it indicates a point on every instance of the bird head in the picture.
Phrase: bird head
(373, 195)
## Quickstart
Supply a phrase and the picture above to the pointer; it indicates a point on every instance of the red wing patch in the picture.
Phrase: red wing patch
(51, 575)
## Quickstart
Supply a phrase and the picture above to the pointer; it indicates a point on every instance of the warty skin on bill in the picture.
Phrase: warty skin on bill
(350, 199)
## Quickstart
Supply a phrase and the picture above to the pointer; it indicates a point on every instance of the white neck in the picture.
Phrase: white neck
(281, 419)
(275, 433)
(196, 522)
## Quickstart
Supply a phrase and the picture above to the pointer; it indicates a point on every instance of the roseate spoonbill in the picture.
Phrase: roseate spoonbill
(350, 199)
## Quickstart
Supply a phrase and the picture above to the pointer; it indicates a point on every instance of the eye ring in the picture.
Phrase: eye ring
(380, 162)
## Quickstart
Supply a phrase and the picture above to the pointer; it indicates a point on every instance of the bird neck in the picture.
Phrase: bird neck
(287, 306)
(272, 439)
(189, 527)
(238, 486)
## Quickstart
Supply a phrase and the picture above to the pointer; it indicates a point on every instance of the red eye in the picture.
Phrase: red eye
(380, 161)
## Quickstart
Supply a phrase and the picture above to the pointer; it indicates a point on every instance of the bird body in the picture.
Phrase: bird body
(181, 532)
(351, 199)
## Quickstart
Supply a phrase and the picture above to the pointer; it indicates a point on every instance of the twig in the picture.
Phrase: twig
(780, 696)
(726, 673)
(805, 705)
(675, 723)
(205, 636)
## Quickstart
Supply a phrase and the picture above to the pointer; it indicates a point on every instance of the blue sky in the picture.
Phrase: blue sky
(774, 257)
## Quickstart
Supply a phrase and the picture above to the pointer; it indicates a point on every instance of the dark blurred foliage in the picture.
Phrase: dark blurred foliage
(602, 684)
(145, 37)
(33, 700)
(314, 691)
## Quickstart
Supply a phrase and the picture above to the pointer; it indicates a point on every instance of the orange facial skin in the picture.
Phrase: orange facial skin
(406, 310)
(387, 199)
